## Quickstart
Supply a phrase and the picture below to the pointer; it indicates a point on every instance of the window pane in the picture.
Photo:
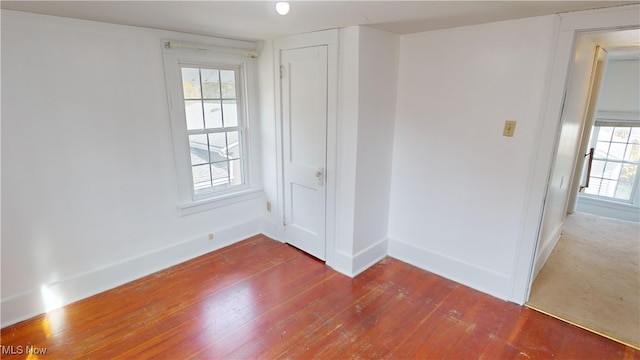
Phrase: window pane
(212, 114)
(218, 146)
(597, 168)
(633, 148)
(210, 84)
(191, 83)
(612, 170)
(220, 173)
(233, 142)
(235, 173)
(628, 172)
(199, 149)
(607, 188)
(230, 113)
(616, 151)
(201, 178)
(623, 192)
(605, 133)
(602, 148)
(621, 134)
(193, 113)
(594, 186)
(228, 82)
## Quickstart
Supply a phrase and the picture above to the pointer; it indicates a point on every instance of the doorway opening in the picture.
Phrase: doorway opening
(587, 268)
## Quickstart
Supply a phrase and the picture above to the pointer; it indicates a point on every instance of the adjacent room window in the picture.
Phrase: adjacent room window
(614, 172)
(214, 127)
(209, 106)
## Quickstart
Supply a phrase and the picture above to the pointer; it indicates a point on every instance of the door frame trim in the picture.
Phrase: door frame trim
(329, 38)
(571, 25)
(597, 76)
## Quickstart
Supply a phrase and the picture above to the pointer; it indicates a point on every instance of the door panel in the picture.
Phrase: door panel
(568, 141)
(594, 91)
(304, 125)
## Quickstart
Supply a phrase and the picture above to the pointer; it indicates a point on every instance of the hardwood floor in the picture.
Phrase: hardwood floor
(261, 299)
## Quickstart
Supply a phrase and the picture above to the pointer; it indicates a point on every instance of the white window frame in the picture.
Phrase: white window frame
(613, 119)
(175, 58)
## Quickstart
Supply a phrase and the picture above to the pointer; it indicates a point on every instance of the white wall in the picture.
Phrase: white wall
(378, 69)
(459, 188)
(620, 91)
(88, 178)
(268, 153)
(347, 144)
(367, 103)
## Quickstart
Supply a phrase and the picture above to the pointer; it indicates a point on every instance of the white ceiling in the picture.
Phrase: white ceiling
(257, 20)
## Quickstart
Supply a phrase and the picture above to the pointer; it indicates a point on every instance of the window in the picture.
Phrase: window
(214, 127)
(614, 172)
(209, 112)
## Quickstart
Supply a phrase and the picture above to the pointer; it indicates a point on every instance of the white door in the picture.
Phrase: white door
(303, 79)
(568, 142)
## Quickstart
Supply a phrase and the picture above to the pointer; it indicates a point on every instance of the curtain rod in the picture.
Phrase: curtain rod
(202, 47)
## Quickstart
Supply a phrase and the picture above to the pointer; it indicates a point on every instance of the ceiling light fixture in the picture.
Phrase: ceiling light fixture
(282, 7)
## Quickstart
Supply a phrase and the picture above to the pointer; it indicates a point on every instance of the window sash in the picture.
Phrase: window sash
(215, 130)
(197, 192)
(599, 179)
(200, 189)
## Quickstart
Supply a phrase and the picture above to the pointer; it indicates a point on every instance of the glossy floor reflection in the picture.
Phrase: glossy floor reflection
(260, 299)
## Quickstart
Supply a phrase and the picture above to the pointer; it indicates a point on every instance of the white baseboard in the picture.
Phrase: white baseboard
(476, 277)
(367, 257)
(66, 291)
(546, 249)
(352, 265)
(342, 263)
(269, 228)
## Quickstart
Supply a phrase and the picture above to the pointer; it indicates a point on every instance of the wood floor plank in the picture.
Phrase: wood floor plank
(325, 321)
(220, 312)
(443, 329)
(126, 299)
(229, 310)
(363, 331)
(215, 303)
(305, 317)
(261, 299)
(404, 317)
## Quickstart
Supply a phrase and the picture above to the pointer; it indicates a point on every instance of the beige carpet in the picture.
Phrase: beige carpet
(592, 278)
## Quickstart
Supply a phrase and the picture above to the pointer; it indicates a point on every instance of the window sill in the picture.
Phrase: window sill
(219, 201)
(623, 205)
(602, 207)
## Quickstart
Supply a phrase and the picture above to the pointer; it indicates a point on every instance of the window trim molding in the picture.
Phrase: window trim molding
(220, 200)
(174, 59)
(612, 121)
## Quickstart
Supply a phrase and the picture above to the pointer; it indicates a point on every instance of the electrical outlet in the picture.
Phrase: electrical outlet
(509, 128)
(269, 206)
(210, 236)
